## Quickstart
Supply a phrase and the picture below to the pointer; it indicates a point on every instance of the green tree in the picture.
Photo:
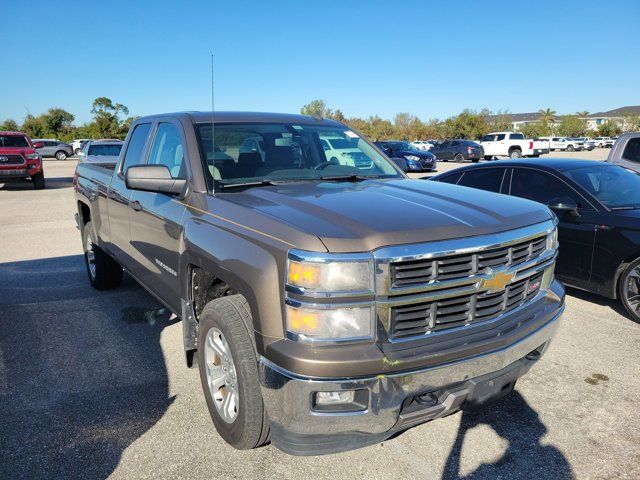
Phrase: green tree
(631, 122)
(501, 121)
(9, 125)
(107, 118)
(468, 124)
(317, 108)
(58, 123)
(582, 113)
(609, 129)
(536, 129)
(34, 126)
(572, 126)
(547, 117)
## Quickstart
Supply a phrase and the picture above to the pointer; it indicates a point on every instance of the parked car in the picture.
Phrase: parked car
(540, 147)
(562, 143)
(53, 148)
(458, 150)
(577, 142)
(601, 142)
(78, 144)
(626, 152)
(587, 143)
(101, 151)
(19, 160)
(328, 306)
(506, 144)
(598, 208)
(422, 145)
(417, 160)
(344, 151)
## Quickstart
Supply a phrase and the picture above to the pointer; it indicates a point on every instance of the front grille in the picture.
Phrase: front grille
(416, 272)
(422, 318)
(11, 160)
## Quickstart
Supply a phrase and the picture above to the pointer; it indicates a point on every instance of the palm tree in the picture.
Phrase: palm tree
(582, 114)
(547, 116)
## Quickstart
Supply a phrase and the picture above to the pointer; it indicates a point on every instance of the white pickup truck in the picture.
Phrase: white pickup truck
(506, 144)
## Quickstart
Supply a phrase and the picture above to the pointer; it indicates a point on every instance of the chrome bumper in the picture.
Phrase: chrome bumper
(297, 429)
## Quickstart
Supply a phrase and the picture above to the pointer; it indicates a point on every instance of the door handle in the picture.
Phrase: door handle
(135, 204)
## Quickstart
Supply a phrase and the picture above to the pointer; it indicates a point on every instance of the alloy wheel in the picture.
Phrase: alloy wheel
(632, 290)
(91, 256)
(221, 375)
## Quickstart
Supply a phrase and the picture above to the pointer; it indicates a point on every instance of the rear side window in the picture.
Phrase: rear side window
(540, 186)
(489, 179)
(632, 150)
(168, 150)
(500, 137)
(516, 136)
(136, 145)
(451, 178)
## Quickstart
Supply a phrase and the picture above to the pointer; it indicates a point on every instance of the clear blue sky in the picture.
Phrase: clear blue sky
(365, 57)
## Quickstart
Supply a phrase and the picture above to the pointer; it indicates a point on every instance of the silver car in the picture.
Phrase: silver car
(101, 151)
(53, 148)
(626, 152)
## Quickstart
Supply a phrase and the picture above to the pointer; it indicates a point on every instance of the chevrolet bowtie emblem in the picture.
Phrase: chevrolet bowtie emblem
(497, 282)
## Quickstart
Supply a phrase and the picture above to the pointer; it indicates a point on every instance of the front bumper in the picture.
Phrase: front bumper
(298, 429)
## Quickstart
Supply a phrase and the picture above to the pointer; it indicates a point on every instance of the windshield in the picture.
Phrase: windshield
(104, 150)
(289, 152)
(614, 186)
(18, 141)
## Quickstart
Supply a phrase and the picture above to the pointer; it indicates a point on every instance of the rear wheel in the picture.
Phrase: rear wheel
(77, 151)
(629, 289)
(38, 181)
(459, 157)
(104, 272)
(61, 155)
(515, 153)
(229, 372)
(488, 157)
(570, 148)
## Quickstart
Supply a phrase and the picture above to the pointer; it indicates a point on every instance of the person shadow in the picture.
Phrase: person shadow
(82, 372)
(525, 457)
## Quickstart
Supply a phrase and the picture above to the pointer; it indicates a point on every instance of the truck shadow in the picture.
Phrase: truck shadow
(614, 305)
(81, 378)
(50, 184)
(525, 457)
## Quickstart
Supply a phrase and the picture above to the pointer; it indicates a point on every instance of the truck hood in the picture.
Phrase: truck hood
(357, 217)
(16, 151)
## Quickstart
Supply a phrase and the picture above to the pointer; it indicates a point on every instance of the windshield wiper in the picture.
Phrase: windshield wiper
(259, 183)
(350, 178)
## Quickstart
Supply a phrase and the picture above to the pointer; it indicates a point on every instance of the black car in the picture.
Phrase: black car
(417, 160)
(598, 208)
(458, 150)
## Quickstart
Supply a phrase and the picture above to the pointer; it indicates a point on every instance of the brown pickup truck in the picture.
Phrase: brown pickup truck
(329, 300)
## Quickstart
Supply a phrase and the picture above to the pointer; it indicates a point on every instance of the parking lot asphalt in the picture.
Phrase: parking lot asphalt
(92, 385)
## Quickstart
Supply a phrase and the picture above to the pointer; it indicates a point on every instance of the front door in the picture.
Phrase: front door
(576, 235)
(156, 219)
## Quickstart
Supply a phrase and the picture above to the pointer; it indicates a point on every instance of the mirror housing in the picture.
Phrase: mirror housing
(401, 163)
(38, 145)
(153, 178)
(564, 205)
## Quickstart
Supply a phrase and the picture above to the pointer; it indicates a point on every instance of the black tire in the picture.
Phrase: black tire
(475, 160)
(488, 157)
(629, 289)
(231, 316)
(77, 151)
(515, 153)
(60, 155)
(459, 157)
(106, 272)
(38, 181)
(570, 148)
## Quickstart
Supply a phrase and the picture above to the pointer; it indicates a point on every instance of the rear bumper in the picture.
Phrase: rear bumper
(298, 429)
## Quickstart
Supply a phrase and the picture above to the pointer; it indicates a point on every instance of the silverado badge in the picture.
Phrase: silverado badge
(497, 282)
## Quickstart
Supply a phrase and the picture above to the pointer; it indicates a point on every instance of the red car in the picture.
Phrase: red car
(19, 160)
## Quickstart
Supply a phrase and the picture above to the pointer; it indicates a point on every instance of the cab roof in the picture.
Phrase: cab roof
(249, 117)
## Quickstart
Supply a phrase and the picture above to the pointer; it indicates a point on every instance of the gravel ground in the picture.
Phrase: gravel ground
(92, 386)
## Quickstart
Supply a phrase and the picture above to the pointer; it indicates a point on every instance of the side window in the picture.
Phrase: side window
(135, 147)
(516, 136)
(453, 179)
(167, 150)
(455, 144)
(500, 137)
(632, 150)
(541, 187)
(483, 178)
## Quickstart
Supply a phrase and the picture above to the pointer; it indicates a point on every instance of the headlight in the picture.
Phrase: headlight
(33, 156)
(415, 158)
(552, 239)
(350, 323)
(331, 276)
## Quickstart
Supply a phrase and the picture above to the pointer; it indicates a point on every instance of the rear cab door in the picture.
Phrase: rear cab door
(494, 144)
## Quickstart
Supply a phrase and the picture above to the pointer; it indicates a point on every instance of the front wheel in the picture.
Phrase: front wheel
(104, 272)
(229, 372)
(570, 148)
(515, 154)
(38, 181)
(77, 151)
(61, 155)
(459, 157)
(629, 289)
(488, 157)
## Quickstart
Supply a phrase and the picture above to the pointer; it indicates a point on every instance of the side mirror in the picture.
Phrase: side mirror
(564, 205)
(153, 178)
(401, 163)
(38, 145)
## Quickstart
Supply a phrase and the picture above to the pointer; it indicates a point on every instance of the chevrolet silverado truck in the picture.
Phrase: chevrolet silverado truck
(326, 306)
(19, 160)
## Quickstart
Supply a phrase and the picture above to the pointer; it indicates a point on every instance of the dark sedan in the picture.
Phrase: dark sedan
(458, 150)
(417, 160)
(598, 208)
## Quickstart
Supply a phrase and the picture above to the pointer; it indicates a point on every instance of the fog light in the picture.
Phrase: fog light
(335, 398)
